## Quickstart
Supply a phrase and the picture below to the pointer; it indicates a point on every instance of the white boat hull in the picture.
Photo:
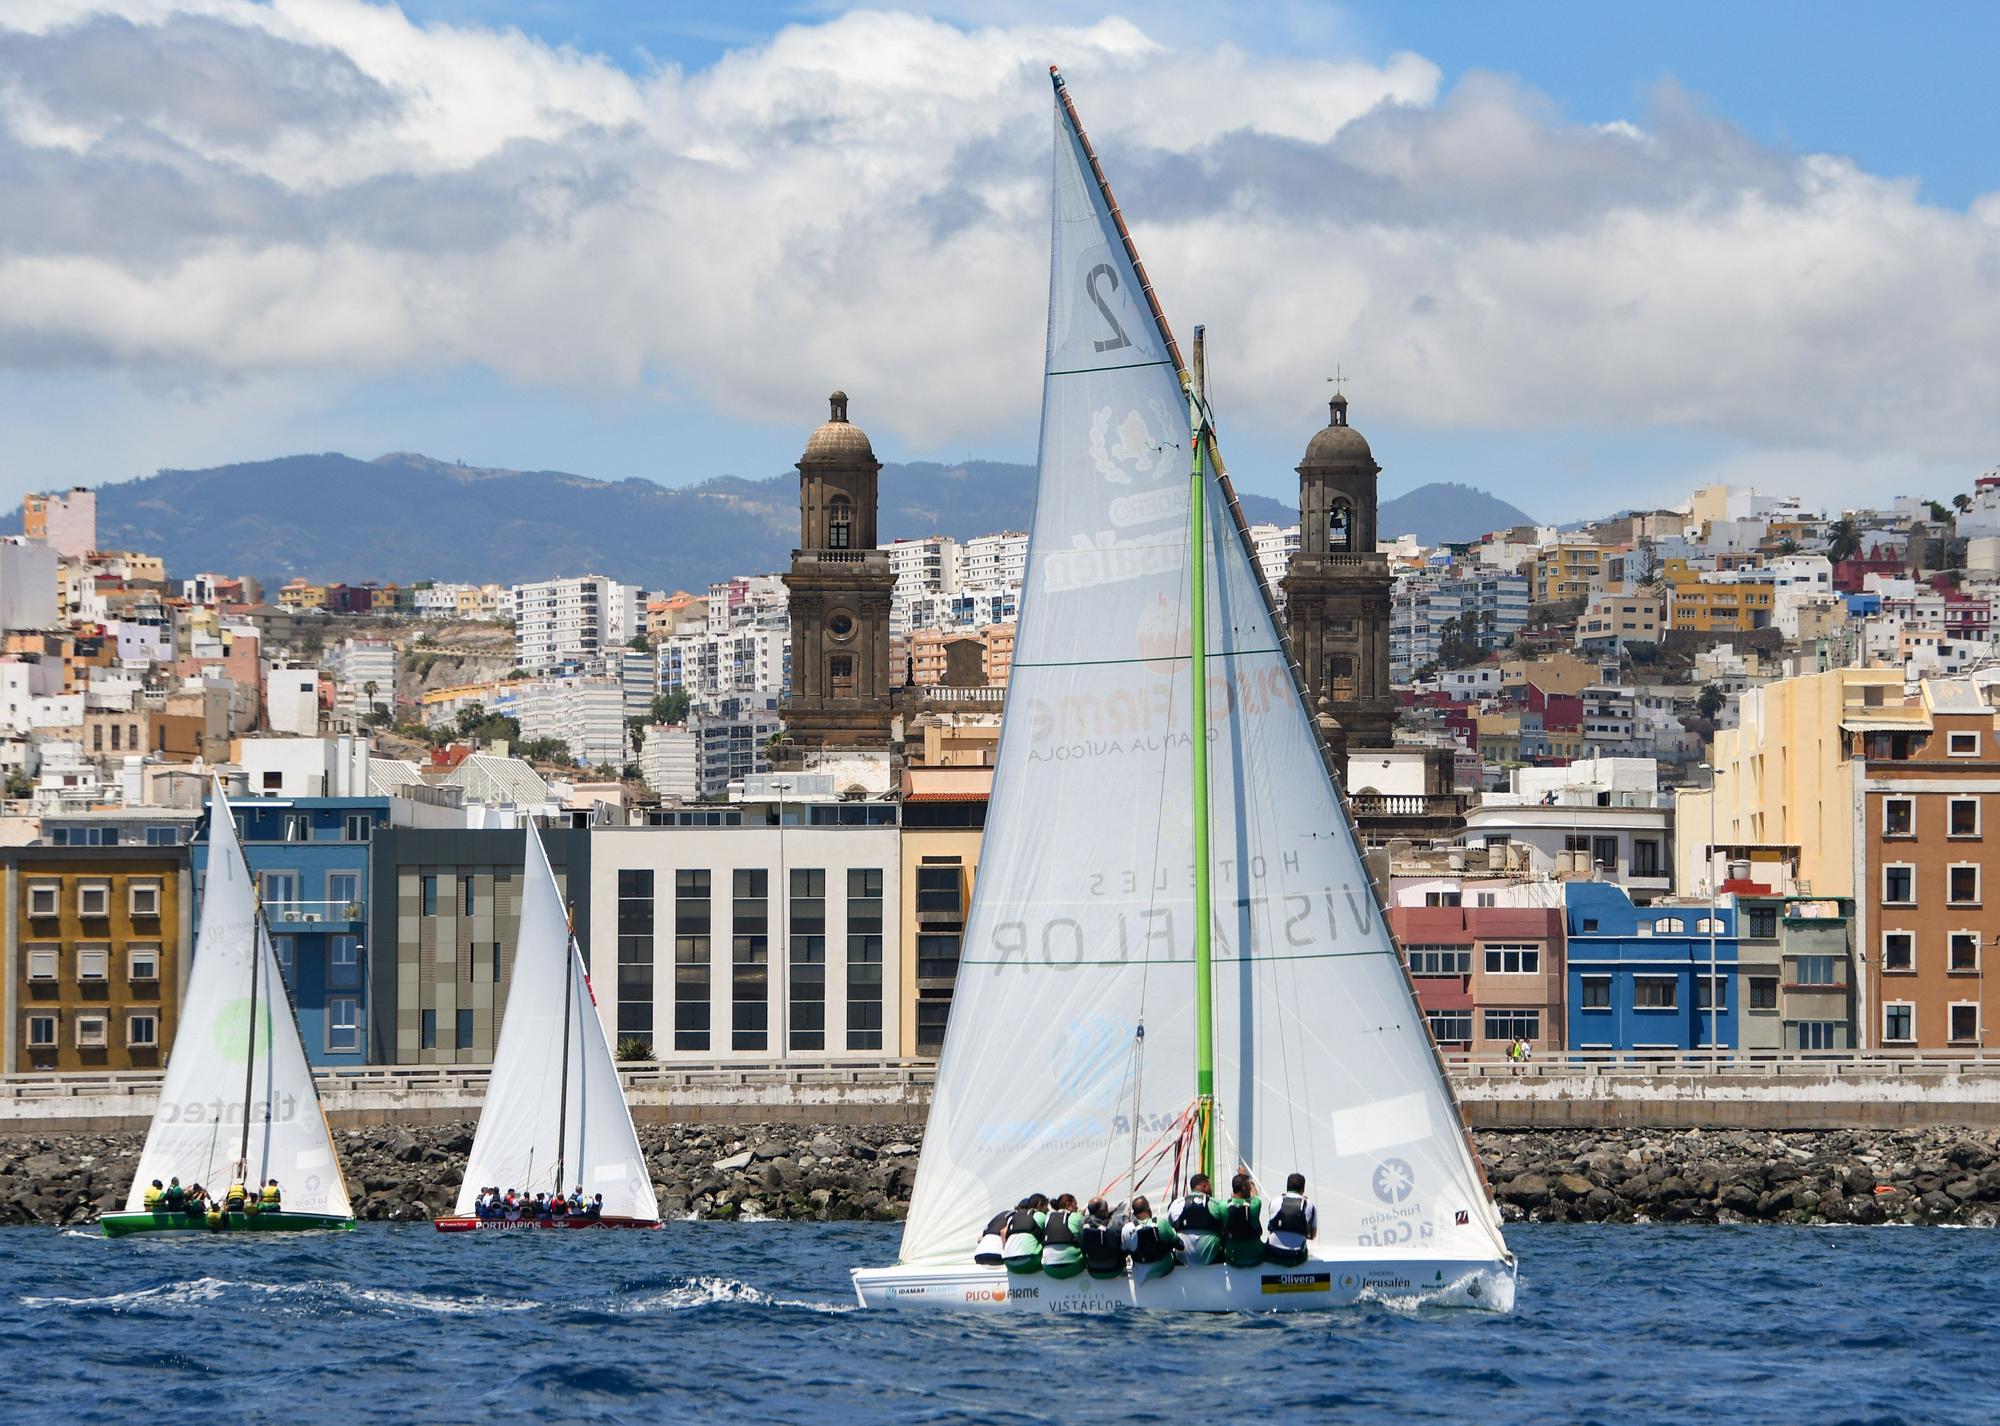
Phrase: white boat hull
(1317, 1285)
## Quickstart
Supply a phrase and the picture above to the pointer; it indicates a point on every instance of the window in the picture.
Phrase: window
(1763, 923)
(1450, 1027)
(839, 523)
(142, 962)
(92, 1032)
(282, 947)
(807, 908)
(93, 962)
(933, 1013)
(1711, 925)
(1604, 851)
(1814, 1035)
(1669, 926)
(343, 961)
(1707, 987)
(1763, 992)
(359, 827)
(864, 958)
(1594, 992)
(1964, 1023)
(427, 1033)
(281, 894)
(163, 836)
(343, 1024)
(635, 953)
(142, 1032)
(1513, 960)
(1440, 960)
(465, 1029)
(1443, 898)
(1645, 857)
(1964, 745)
(1962, 817)
(691, 960)
(44, 962)
(750, 960)
(41, 1032)
(142, 899)
(1962, 884)
(468, 895)
(1963, 953)
(1899, 951)
(840, 676)
(298, 826)
(1340, 528)
(343, 889)
(1899, 817)
(937, 955)
(1655, 992)
(427, 892)
(1899, 884)
(1513, 1024)
(93, 900)
(1899, 1022)
(938, 890)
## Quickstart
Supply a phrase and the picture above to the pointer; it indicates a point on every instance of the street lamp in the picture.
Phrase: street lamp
(1714, 1008)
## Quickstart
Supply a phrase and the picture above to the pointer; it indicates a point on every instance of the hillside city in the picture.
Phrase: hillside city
(1702, 778)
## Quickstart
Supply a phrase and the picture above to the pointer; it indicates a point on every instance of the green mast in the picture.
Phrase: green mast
(1204, 990)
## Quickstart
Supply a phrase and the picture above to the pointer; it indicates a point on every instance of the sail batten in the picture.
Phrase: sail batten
(1082, 917)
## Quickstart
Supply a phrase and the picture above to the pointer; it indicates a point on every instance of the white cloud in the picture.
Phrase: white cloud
(211, 191)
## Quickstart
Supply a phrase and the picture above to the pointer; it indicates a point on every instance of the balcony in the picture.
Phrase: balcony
(291, 915)
(1414, 805)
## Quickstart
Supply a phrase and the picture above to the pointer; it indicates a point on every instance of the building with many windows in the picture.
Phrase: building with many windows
(1796, 964)
(1485, 975)
(1658, 977)
(570, 623)
(95, 956)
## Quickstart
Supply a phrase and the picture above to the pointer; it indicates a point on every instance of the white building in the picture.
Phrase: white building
(28, 584)
(995, 559)
(305, 767)
(667, 761)
(713, 665)
(571, 622)
(1274, 546)
(291, 699)
(586, 714)
(355, 664)
(1602, 817)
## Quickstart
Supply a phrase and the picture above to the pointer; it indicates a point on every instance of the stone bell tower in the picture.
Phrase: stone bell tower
(840, 587)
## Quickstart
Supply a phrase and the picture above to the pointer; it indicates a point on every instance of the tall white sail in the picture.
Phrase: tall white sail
(1081, 926)
(536, 1114)
(221, 1048)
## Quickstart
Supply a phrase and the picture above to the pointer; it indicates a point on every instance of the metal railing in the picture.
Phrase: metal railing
(281, 914)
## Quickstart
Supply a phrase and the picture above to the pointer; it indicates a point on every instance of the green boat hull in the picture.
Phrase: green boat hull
(119, 1225)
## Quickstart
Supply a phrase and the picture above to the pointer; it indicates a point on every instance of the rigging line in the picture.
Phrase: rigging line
(1093, 370)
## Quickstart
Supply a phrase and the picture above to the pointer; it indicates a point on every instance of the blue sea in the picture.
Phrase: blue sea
(754, 1323)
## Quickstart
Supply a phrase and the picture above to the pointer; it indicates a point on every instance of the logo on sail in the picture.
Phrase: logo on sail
(1130, 450)
(230, 1031)
(1394, 1181)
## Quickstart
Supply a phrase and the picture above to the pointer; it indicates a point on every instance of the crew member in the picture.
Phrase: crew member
(237, 1198)
(1103, 1241)
(1194, 1217)
(1243, 1223)
(154, 1193)
(1062, 1240)
(990, 1250)
(270, 1198)
(1022, 1243)
(1293, 1224)
(174, 1200)
(1149, 1242)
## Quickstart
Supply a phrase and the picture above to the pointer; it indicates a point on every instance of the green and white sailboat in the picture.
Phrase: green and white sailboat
(238, 1104)
(1175, 958)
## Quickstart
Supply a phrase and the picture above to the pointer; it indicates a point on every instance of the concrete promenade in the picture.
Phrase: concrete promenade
(1571, 1090)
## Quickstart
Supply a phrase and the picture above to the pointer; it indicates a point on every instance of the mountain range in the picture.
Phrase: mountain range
(404, 516)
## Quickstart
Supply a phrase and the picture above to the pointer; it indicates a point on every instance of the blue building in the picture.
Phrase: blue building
(310, 856)
(1639, 976)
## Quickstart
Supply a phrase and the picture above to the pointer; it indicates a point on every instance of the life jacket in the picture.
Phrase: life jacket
(1198, 1215)
(175, 1196)
(153, 1196)
(997, 1224)
(1147, 1245)
(236, 1198)
(1291, 1215)
(269, 1196)
(1057, 1234)
(1239, 1223)
(1022, 1220)
(1103, 1247)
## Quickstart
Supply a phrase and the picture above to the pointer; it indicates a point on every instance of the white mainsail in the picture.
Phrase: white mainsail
(220, 1046)
(535, 1114)
(1080, 929)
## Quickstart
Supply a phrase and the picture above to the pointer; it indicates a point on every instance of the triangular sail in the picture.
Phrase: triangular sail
(197, 1131)
(535, 1114)
(1080, 929)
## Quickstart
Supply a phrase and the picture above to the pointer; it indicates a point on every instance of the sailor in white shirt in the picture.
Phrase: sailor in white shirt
(1294, 1223)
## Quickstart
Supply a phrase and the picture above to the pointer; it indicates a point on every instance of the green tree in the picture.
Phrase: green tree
(1843, 540)
(635, 1049)
(1710, 701)
(639, 642)
(545, 750)
(671, 706)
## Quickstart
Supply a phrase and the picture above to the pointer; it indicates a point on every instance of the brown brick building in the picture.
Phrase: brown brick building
(1485, 975)
(95, 955)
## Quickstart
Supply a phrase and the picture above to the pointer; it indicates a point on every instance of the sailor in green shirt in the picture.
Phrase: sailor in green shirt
(1148, 1242)
(1195, 1217)
(1062, 1238)
(1021, 1242)
(1243, 1223)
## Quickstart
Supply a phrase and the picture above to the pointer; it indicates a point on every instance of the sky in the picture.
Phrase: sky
(1585, 256)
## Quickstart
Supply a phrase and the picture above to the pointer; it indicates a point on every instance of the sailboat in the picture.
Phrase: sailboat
(1175, 957)
(238, 1104)
(555, 1117)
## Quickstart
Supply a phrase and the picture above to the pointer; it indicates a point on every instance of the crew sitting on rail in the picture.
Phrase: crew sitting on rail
(154, 1193)
(558, 1205)
(1023, 1238)
(990, 1250)
(1193, 1216)
(1103, 1241)
(269, 1199)
(596, 1208)
(1243, 1223)
(237, 1198)
(1062, 1238)
(1148, 1242)
(197, 1201)
(1294, 1224)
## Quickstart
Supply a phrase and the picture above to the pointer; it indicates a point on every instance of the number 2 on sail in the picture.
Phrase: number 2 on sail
(1118, 338)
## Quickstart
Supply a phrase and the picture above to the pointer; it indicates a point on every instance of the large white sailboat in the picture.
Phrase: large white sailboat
(555, 1120)
(1175, 957)
(238, 1104)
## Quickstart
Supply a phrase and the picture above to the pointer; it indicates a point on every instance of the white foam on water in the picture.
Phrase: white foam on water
(714, 1291)
(201, 1289)
(311, 1292)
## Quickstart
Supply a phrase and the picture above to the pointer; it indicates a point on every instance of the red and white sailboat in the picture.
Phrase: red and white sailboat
(555, 1119)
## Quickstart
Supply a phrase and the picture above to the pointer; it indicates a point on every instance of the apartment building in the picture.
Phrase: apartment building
(95, 956)
(1659, 977)
(1796, 965)
(586, 715)
(1485, 975)
(571, 622)
(1570, 570)
(1710, 604)
(66, 523)
(994, 559)
(1612, 620)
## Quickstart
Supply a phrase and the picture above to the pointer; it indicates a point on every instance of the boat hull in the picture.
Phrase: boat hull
(1317, 1285)
(454, 1224)
(121, 1225)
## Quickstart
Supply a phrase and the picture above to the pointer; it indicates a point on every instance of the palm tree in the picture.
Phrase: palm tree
(1843, 540)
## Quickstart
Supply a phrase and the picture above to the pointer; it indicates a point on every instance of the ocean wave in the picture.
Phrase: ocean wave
(316, 1294)
(699, 1292)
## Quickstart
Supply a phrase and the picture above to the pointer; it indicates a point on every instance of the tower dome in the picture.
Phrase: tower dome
(839, 439)
(1337, 443)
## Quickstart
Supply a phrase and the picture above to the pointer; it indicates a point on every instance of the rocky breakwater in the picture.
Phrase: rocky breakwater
(1837, 1176)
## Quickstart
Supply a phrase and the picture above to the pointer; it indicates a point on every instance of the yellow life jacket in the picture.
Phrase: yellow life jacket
(236, 1198)
(152, 1198)
(269, 1196)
